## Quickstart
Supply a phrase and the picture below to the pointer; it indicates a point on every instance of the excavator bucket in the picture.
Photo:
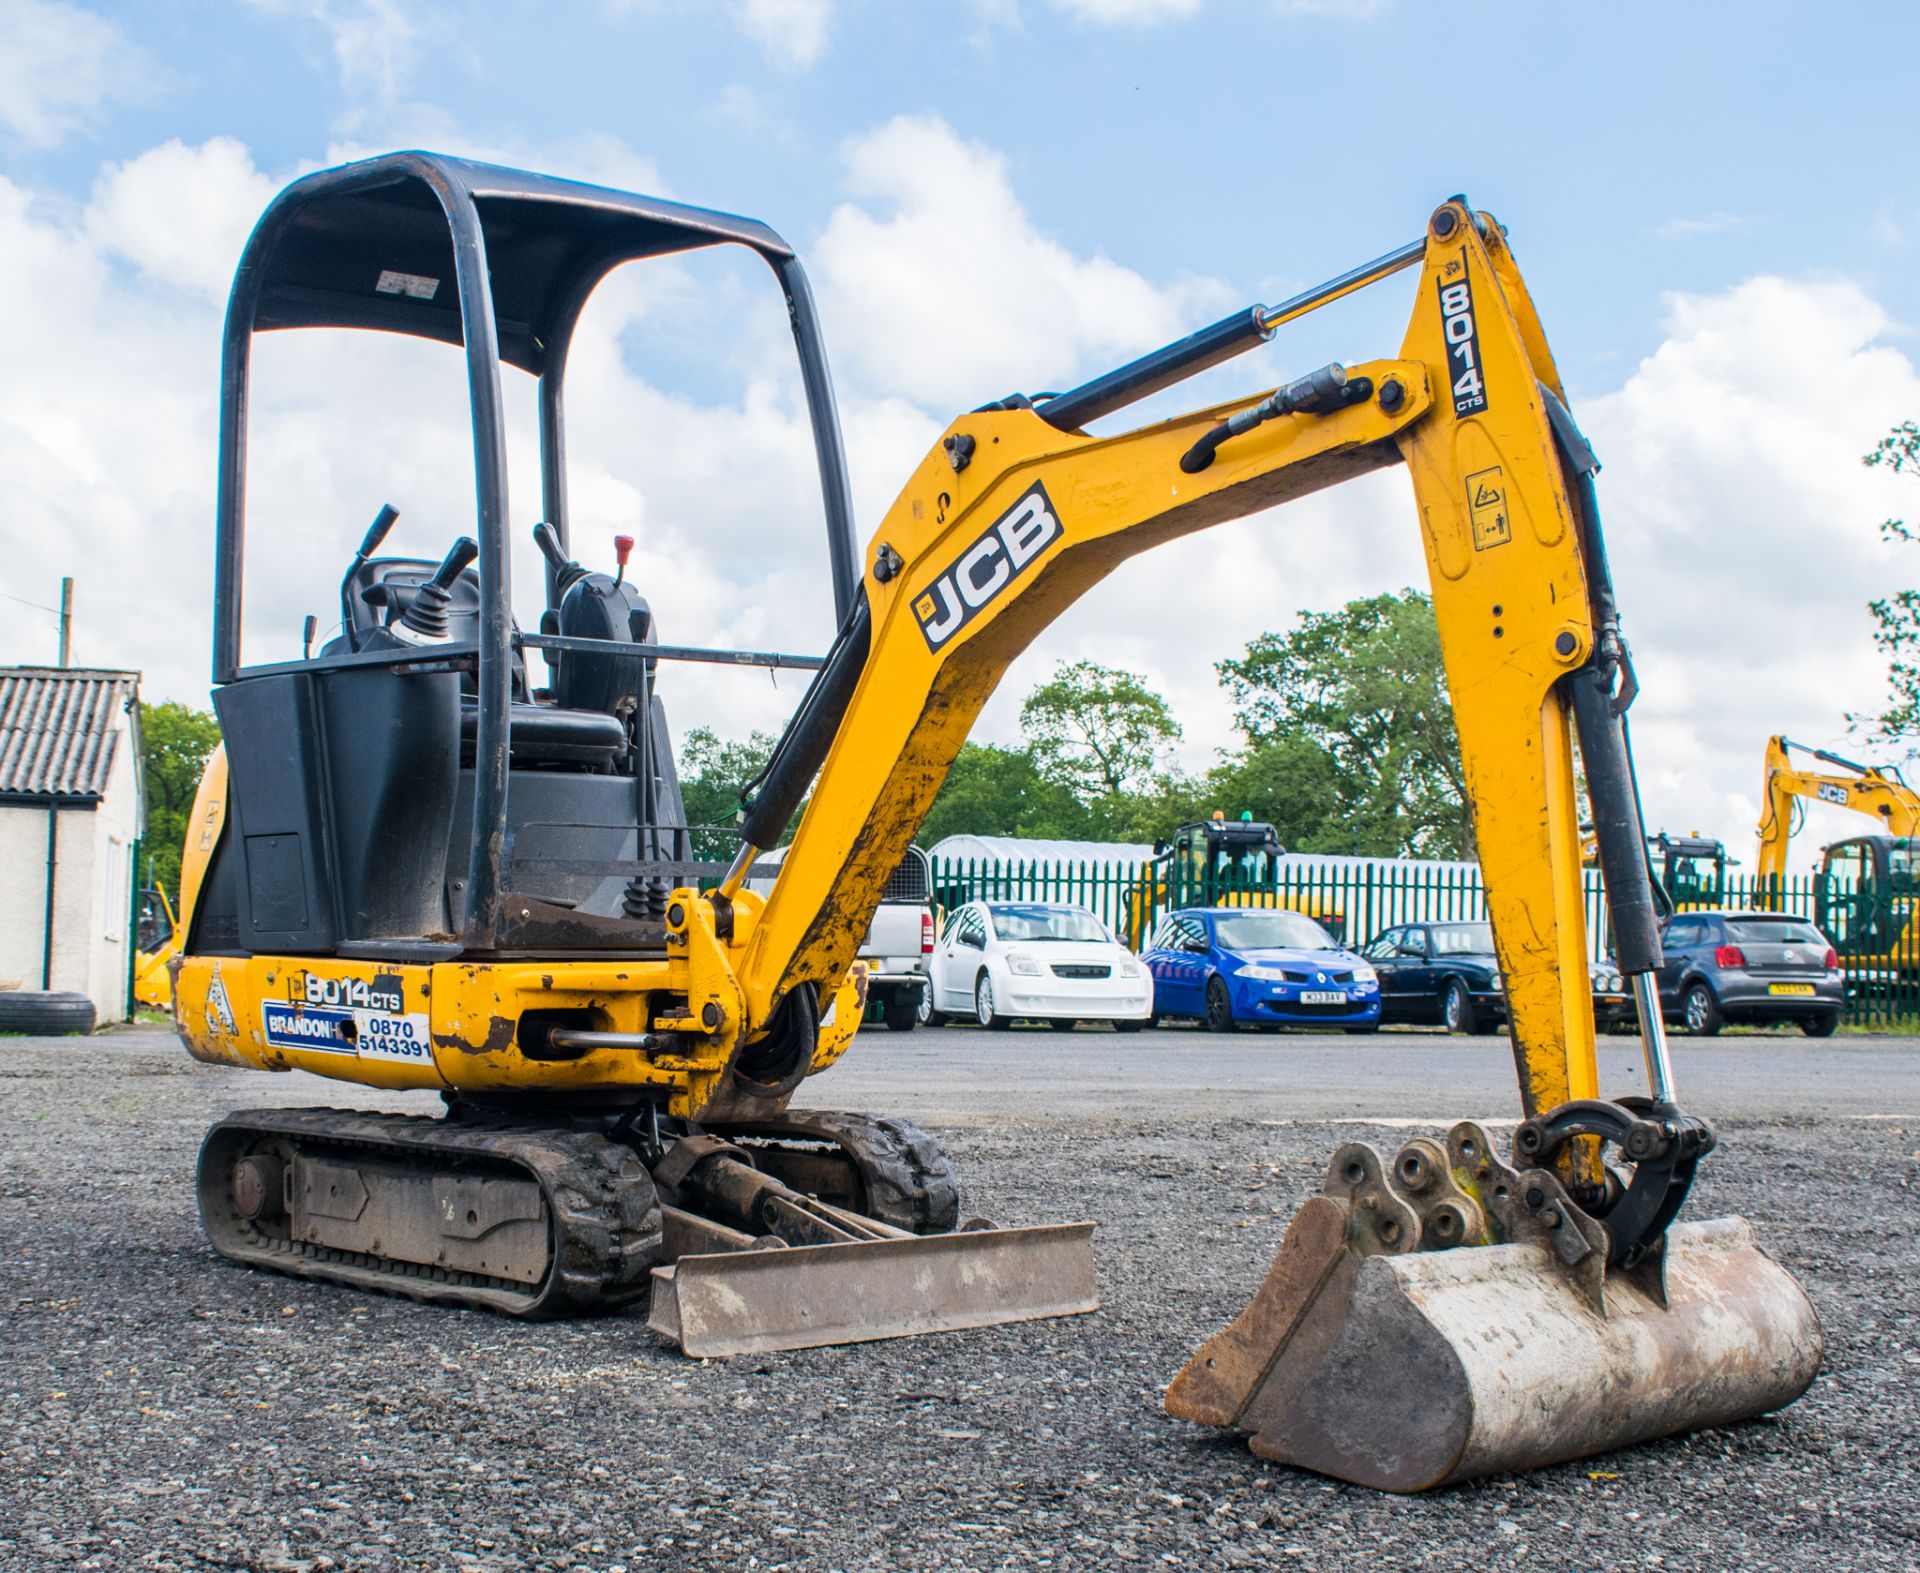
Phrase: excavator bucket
(1409, 1337)
(752, 1301)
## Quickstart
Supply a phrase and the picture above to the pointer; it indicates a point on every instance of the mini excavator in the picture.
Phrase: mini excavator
(412, 869)
(1867, 896)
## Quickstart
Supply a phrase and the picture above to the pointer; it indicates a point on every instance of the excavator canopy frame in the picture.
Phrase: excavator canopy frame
(501, 262)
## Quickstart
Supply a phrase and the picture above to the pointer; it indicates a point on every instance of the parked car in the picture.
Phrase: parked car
(897, 943)
(1613, 1009)
(1007, 961)
(1758, 967)
(1259, 965)
(1439, 972)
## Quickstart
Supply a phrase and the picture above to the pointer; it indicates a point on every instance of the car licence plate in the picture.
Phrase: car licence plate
(1789, 988)
(1322, 997)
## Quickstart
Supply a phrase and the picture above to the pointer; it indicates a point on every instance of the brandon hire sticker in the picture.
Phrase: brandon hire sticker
(347, 1016)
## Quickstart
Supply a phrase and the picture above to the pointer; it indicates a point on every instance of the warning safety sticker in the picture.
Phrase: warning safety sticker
(1487, 506)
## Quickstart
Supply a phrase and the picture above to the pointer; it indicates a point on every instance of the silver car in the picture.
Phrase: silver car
(1753, 967)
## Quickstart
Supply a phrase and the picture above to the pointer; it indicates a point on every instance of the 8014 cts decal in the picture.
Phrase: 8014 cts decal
(1463, 343)
(348, 1016)
(987, 567)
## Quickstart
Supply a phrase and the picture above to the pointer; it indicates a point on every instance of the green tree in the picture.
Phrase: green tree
(1097, 731)
(1366, 686)
(1896, 617)
(1291, 782)
(714, 772)
(175, 740)
(992, 791)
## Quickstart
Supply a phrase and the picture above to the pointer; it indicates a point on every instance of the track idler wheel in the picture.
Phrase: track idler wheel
(887, 1168)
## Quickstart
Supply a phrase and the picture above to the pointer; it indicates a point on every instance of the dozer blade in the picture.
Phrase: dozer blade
(753, 1301)
(1420, 1369)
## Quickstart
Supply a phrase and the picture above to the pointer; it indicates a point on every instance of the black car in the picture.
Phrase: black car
(1758, 967)
(1439, 972)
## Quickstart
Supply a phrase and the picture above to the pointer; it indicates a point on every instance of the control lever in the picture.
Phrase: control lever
(307, 631)
(425, 619)
(376, 533)
(566, 572)
(622, 550)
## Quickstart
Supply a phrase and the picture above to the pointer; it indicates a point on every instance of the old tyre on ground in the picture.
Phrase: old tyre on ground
(45, 1015)
(983, 1010)
(1822, 1026)
(1219, 1005)
(1135, 1025)
(1062, 1023)
(1701, 1011)
(1456, 1010)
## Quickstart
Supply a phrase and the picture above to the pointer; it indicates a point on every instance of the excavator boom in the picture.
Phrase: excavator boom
(1872, 790)
(1864, 898)
(1364, 1355)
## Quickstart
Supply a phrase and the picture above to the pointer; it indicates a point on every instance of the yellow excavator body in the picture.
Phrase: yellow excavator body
(392, 897)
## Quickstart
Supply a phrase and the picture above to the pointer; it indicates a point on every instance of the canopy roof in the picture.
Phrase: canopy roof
(368, 245)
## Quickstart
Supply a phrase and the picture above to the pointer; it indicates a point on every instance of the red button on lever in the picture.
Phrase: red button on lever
(622, 550)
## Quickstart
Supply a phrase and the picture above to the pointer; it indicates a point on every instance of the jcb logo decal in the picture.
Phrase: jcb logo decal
(987, 567)
(1833, 794)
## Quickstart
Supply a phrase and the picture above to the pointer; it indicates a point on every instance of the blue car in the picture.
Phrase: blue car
(1261, 966)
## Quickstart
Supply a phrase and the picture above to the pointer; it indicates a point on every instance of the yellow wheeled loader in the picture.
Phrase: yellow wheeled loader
(424, 871)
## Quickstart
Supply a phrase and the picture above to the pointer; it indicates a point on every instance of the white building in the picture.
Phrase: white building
(72, 810)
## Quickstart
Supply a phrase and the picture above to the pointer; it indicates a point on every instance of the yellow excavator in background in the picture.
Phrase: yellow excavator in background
(1219, 862)
(1865, 894)
(422, 871)
(1691, 870)
(156, 943)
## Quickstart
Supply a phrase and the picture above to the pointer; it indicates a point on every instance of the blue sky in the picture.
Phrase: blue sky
(1634, 148)
(999, 194)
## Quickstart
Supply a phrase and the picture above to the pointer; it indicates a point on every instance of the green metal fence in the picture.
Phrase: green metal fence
(1357, 898)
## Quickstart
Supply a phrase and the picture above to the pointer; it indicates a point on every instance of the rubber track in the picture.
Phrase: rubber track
(907, 1175)
(602, 1202)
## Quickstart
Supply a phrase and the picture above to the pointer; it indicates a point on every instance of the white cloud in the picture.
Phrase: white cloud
(59, 64)
(1745, 535)
(791, 33)
(1129, 13)
(109, 446)
(181, 214)
(374, 42)
(1742, 526)
(951, 295)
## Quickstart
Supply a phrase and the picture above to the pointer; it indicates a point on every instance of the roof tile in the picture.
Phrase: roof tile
(57, 735)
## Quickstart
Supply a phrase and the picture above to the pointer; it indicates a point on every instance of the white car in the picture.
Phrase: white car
(1007, 961)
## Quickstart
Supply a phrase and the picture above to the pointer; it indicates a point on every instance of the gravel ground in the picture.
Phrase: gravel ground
(162, 1409)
